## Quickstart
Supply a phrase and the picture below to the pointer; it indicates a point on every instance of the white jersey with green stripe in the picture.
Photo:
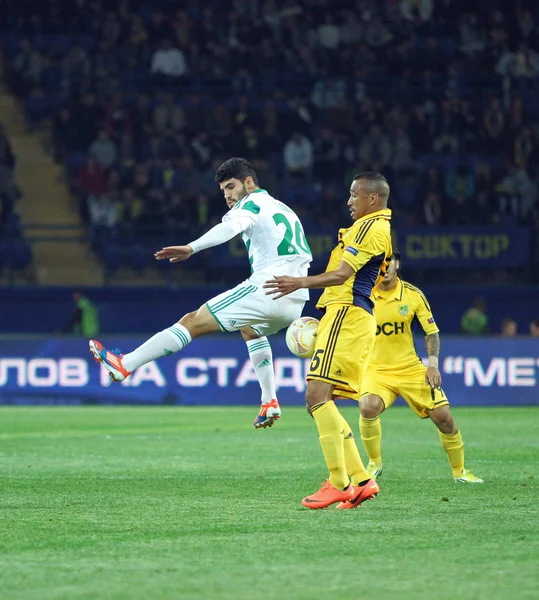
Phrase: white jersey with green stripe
(274, 239)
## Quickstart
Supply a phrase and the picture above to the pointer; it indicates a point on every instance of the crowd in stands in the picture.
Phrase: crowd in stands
(146, 99)
(15, 252)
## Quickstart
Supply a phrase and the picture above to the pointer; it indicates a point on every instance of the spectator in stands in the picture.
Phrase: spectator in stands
(327, 150)
(64, 134)
(168, 61)
(433, 210)
(103, 149)
(27, 67)
(524, 145)
(7, 158)
(85, 319)
(76, 66)
(493, 124)
(416, 11)
(375, 150)
(92, 177)
(298, 155)
(328, 93)
(485, 212)
(328, 33)
(88, 115)
(475, 321)
(472, 36)
(534, 328)
(460, 181)
(103, 210)
(168, 116)
(177, 215)
(401, 160)
(509, 327)
(130, 209)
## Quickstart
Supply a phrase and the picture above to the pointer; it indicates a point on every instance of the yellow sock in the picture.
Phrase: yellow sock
(371, 434)
(454, 448)
(329, 422)
(354, 464)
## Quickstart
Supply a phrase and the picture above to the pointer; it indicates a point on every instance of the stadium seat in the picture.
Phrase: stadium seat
(139, 257)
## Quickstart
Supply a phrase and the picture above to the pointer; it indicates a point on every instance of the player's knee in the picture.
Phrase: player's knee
(443, 419)
(371, 407)
(189, 319)
(248, 334)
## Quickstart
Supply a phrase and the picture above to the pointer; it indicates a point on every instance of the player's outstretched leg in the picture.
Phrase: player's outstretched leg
(166, 342)
(262, 360)
(452, 443)
(371, 407)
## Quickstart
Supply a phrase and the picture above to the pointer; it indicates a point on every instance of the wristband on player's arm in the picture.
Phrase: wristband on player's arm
(432, 362)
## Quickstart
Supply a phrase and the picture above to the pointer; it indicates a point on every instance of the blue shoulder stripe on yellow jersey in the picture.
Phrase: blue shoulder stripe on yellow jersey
(411, 287)
(363, 231)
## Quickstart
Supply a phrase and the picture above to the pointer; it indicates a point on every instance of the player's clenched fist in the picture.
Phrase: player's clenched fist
(174, 253)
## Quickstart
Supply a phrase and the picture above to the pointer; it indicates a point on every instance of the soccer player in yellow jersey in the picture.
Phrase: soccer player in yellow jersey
(346, 336)
(395, 369)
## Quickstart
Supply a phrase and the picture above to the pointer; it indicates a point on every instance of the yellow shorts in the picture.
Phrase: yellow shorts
(344, 341)
(409, 384)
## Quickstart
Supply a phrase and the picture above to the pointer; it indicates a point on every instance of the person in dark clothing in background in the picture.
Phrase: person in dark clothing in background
(84, 320)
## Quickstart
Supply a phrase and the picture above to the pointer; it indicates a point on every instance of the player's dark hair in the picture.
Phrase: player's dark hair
(397, 256)
(236, 168)
(370, 176)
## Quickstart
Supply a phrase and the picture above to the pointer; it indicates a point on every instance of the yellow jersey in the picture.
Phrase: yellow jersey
(366, 247)
(395, 311)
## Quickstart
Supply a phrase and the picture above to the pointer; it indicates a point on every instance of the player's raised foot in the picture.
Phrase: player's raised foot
(367, 491)
(327, 495)
(374, 469)
(110, 359)
(269, 413)
(468, 477)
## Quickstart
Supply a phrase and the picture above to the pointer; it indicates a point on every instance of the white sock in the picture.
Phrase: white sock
(164, 343)
(261, 357)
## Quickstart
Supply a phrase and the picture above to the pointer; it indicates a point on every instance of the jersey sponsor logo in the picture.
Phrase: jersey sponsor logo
(352, 250)
(403, 310)
(390, 328)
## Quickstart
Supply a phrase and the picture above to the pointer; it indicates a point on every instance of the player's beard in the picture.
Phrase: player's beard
(241, 195)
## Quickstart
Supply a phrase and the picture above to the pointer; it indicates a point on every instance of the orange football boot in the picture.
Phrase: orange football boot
(364, 492)
(328, 494)
(269, 413)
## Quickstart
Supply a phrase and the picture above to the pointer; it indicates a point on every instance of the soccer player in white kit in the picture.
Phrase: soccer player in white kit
(276, 245)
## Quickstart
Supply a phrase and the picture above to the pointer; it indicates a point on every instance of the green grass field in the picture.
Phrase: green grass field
(155, 503)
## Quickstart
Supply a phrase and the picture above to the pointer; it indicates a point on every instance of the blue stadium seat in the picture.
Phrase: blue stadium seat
(19, 255)
(139, 257)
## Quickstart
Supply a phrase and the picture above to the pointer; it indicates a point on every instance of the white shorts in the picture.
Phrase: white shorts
(247, 305)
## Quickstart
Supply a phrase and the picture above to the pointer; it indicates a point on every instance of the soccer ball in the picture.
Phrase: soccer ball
(301, 336)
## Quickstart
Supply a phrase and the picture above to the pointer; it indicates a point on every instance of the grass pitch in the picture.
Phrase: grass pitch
(189, 503)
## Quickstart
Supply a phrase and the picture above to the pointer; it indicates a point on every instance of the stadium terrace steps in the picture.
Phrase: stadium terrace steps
(62, 255)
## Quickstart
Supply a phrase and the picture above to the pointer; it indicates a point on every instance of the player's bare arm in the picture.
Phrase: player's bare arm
(284, 285)
(174, 254)
(433, 376)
